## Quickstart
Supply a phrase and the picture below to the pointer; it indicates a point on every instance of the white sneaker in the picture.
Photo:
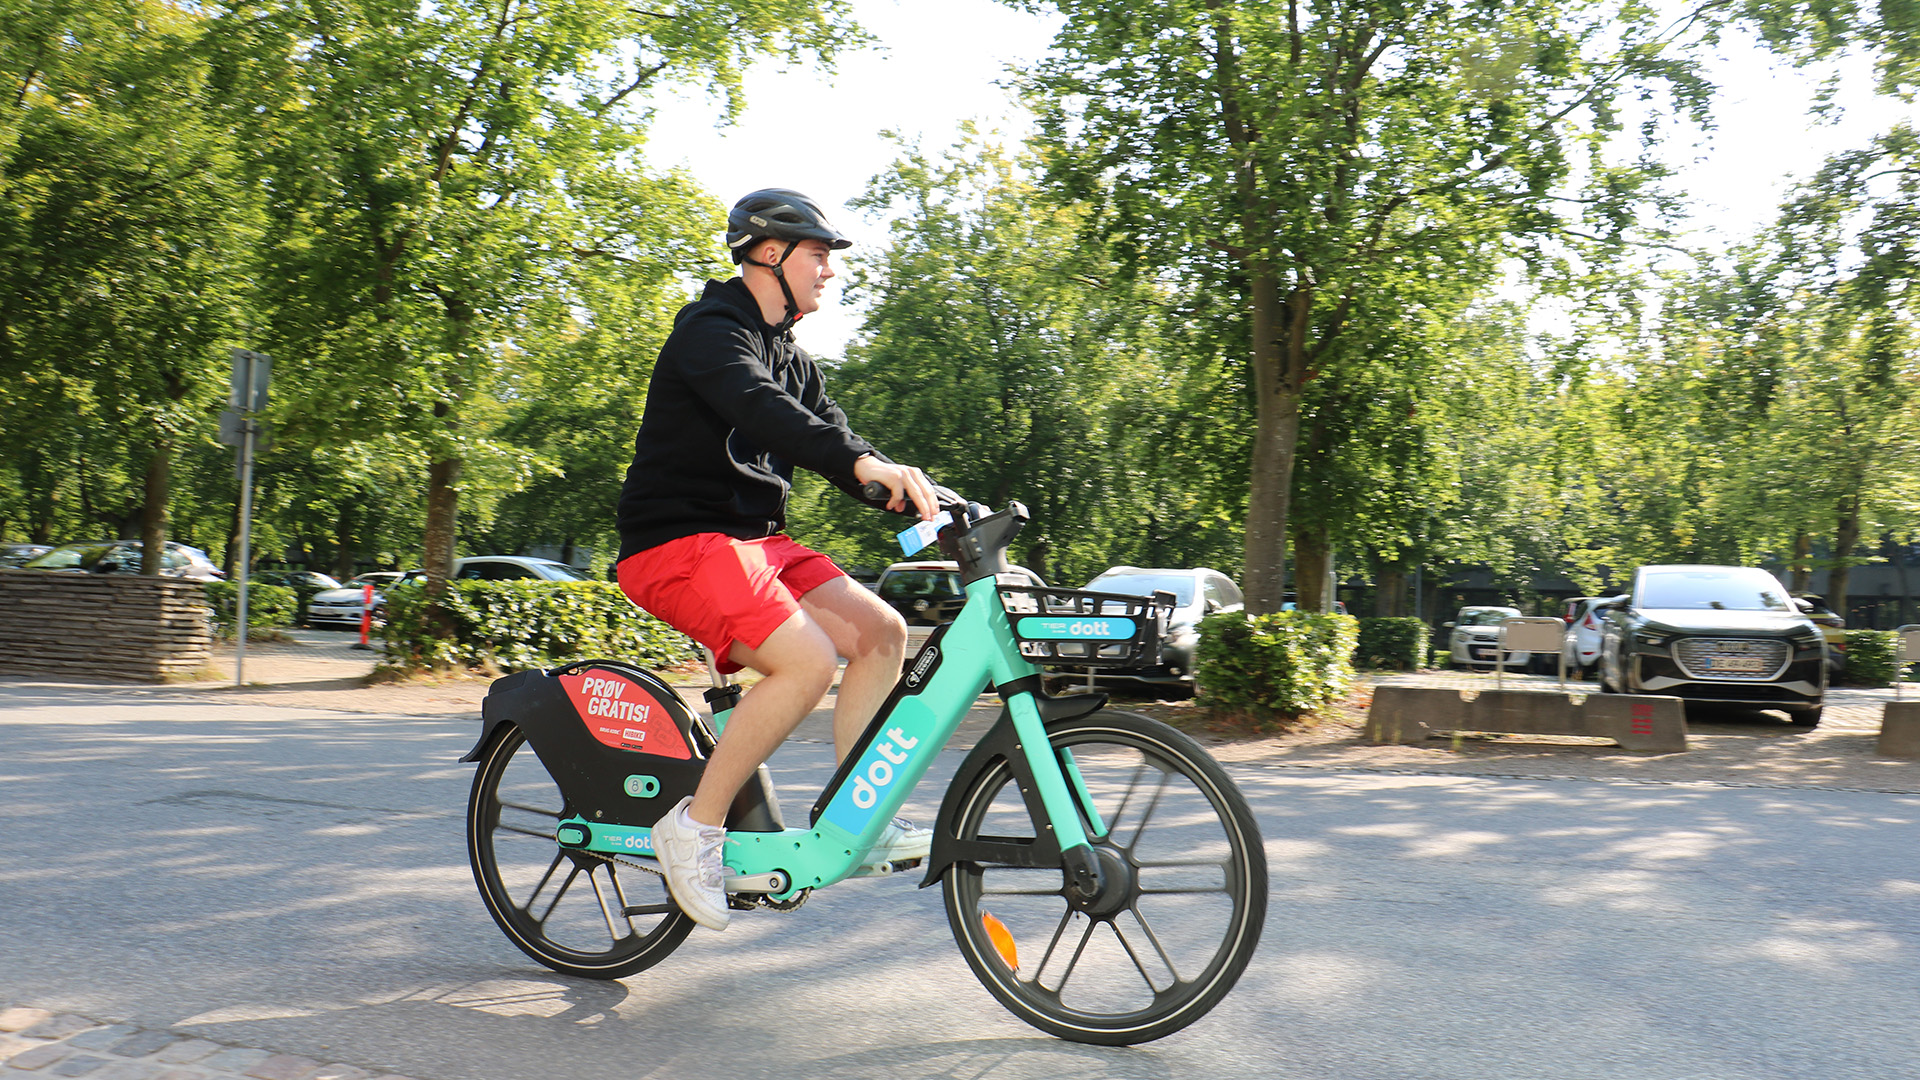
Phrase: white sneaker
(902, 841)
(689, 852)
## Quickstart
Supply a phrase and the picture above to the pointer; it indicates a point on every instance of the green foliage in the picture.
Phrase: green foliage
(268, 607)
(514, 625)
(1399, 644)
(1274, 666)
(1870, 656)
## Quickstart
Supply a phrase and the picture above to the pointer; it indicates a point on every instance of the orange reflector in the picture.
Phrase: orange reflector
(1002, 939)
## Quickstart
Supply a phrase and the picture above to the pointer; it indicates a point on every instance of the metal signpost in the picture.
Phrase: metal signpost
(251, 373)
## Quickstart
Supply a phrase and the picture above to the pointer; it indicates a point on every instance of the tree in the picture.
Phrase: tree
(1011, 362)
(1301, 156)
(457, 197)
(125, 236)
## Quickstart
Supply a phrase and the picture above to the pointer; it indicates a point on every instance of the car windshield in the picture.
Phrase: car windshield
(563, 572)
(915, 584)
(1145, 585)
(1486, 616)
(1712, 588)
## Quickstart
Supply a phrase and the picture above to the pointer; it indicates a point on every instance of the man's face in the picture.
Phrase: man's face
(808, 269)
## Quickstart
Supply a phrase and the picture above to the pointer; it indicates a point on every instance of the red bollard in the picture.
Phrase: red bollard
(366, 615)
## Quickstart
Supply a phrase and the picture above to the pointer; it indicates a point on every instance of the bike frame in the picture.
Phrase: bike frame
(962, 659)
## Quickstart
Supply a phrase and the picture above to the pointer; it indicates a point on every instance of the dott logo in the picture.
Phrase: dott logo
(877, 771)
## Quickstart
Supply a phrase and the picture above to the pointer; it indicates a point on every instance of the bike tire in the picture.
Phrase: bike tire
(1178, 927)
(574, 912)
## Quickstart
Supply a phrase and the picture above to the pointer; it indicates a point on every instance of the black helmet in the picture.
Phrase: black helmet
(778, 214)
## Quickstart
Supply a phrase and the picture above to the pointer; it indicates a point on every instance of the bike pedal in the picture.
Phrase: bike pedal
(885, 869)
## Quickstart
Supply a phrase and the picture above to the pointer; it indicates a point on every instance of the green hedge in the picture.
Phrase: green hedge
(1400, 644)
(516, 625)
(1870, 657)
(268, 607)
(1272, 666)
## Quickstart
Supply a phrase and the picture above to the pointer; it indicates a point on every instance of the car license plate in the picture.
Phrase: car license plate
(1743, 665)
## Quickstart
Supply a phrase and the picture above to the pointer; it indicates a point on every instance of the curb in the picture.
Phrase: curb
(40, 1042)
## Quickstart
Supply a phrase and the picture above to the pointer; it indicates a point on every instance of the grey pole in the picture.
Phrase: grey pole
(246, 554)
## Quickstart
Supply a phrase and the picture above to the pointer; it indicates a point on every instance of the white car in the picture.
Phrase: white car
(1586, 618)
(513, 568)
(1197, 592)
(1475, 640)
(341, 607)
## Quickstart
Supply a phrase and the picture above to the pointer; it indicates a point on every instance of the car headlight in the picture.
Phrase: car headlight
(1650, 640)
(1808, 641)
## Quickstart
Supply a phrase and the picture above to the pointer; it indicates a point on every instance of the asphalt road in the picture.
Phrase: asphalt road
(295, 880)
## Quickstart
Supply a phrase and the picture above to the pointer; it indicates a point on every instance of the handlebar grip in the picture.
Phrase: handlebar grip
(875, 490)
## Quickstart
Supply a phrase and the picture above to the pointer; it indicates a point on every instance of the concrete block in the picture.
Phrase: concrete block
(1410, 715)
(1900, 730)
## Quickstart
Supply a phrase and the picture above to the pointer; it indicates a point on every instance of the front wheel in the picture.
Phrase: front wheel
(575, 912)
(1184, 893)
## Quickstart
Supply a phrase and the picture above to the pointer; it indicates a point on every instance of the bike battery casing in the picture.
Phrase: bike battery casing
(621, 744)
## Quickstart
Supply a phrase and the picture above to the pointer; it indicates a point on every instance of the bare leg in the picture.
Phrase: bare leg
(797, 664)
(873, 638)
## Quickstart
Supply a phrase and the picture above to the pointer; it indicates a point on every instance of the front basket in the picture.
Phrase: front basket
(1082, 629)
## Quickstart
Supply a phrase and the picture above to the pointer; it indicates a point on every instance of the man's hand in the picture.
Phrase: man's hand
(903, 482)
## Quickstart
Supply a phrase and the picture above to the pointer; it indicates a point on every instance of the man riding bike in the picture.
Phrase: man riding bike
(734, 404)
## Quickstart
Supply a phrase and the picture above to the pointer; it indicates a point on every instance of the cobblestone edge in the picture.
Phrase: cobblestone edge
(41, 1042)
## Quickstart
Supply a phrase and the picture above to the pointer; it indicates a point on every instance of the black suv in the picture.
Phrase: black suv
(1727, 634)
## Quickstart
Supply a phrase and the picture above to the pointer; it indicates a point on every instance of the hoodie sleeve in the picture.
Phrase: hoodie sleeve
(721, 362)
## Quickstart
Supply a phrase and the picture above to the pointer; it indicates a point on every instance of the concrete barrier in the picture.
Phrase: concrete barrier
(1414, 714)
(1900, 730)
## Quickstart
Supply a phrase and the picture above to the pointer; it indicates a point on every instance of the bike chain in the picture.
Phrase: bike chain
(783, 906)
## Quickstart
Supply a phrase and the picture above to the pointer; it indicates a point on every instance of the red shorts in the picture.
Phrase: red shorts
(718, 590)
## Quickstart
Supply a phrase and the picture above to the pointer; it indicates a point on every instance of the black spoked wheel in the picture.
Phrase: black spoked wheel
(574, 912)
(1181, 909)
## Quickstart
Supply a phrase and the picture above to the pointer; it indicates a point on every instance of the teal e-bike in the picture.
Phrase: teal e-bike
(1103, 876)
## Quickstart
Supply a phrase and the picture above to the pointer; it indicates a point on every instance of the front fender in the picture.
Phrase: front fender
(1002, 743)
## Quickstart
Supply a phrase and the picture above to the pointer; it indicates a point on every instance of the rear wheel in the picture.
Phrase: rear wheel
(573, 911)
(1182, 905)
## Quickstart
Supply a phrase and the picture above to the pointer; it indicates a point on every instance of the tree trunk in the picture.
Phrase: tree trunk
(153, 515)
(443, 502)
(1310, 554)
(1276, 437)
(1846, 536)
(1802, 564)
(1390, 590)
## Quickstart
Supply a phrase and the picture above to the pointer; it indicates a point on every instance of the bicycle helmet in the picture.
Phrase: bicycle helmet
(779, 214)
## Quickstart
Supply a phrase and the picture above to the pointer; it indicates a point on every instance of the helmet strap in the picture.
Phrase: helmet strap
(780, 275)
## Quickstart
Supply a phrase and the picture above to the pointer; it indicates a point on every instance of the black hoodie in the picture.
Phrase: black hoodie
(733, 406)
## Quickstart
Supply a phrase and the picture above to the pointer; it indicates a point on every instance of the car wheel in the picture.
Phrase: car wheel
(1806, 718)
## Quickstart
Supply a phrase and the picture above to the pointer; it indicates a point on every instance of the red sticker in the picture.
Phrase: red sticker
(623, 714)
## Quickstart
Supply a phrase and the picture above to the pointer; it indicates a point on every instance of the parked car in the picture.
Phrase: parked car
(927, 593)
(1728, 634)
(341, 607)
(1197, 593)
(1584, 616)
(16, 554)
(294, 579)
(125, 557)
(1474, 640)
(1832, 627)
(513, 568)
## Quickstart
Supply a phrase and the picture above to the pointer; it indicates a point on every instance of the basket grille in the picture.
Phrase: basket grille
(1086, 629)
